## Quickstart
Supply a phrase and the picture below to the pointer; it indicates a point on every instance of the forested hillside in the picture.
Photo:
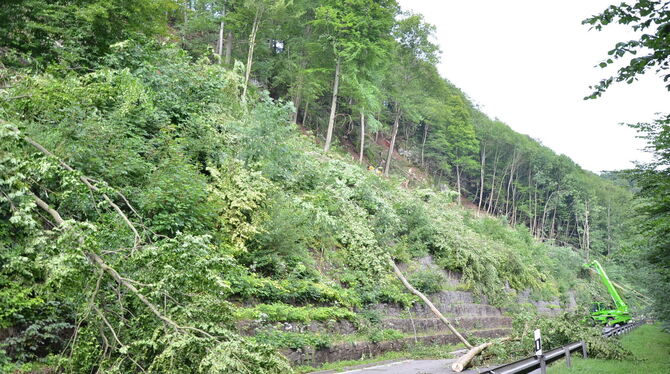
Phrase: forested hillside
(170, 170)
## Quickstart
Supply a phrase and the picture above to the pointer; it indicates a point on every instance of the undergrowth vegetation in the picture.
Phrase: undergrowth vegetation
(143, 201)
(556, 332)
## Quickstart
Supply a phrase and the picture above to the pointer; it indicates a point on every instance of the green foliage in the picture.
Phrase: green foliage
(643, 15)
(232, 203)
(37, 33)
(557, 332)
(289, 313)
(384, 335)
(201, 356)
(427, 281)
(282, 339)
(649, 346)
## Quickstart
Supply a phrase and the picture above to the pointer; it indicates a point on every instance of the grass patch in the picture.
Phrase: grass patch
(650, 347)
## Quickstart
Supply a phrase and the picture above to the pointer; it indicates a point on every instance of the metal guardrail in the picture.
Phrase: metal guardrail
(622, 329)
(530, 364)
(538, 364)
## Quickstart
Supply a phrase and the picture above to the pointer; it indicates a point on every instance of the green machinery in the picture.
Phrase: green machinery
(603, 313)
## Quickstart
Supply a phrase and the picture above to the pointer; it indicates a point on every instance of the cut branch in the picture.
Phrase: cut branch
(463, 361)
(432, 307)
(109, 326)
(115, 275)
(52, 212)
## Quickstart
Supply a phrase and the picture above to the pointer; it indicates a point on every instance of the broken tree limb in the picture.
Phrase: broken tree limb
(52, 212)
(88, 184)
(432, 307)
(127, 283)
(463, 361)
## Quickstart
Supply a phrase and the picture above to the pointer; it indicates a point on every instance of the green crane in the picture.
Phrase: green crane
(606, 314)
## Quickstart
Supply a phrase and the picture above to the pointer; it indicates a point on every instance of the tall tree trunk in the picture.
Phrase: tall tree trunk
(587, 232)
(396, 123)
(219, 48)
(423, 142)
(458, 183)
(304, 114)
(500, 189)
(250, 52)
(298, 87)
(609, 229)
(481, 178)
(544, 214)
(333, 106)
(493, 181)
(221, 27)
(360, 153)
(553, 222)
(229, 48)
(510, 181)
(296, 103)
(566, 234)
(535, 204)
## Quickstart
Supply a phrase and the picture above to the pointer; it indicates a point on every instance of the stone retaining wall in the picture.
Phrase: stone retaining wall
(358, 350)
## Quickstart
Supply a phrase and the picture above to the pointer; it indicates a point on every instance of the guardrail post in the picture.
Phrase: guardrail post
(567, 356)
(584, 350)
(543, 365)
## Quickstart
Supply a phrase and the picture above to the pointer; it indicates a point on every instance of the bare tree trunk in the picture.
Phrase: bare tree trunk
(463, 361)
(298, 88)
(553, 222)
(481, 178)
(493, 181)
(360, 153)
(296, 103)
(458, 183)
(250, 52)
(509, 182)
(304, 114)
(566, 234)
(423, 143)
(229, 47)
(333, 106)
(500, 189)
(219, 48)
(432, 307)
(544, 214)
(221, 27)
(587, 232)
(396, 123)
(609, 229)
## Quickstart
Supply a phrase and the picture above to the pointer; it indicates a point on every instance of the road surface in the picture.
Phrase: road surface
(405, 367)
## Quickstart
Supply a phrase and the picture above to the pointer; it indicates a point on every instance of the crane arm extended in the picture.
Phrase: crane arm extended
(618, 301)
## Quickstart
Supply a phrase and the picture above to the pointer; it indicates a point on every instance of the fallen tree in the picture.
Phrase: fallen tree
(430, 304)
(123, 300)
(473, 351)
(463, 361)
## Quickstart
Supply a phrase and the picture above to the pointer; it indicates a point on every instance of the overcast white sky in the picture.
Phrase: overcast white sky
(530, 63)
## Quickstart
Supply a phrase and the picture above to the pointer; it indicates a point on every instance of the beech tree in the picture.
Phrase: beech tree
(354, 31)
(414, 54)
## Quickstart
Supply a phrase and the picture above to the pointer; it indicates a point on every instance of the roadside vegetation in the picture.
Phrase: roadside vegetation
(650, 353)
(154, 194)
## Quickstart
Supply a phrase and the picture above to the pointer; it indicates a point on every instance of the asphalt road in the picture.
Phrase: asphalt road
(406, 367)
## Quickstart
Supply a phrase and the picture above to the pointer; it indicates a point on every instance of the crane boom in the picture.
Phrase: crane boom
(618, 301)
